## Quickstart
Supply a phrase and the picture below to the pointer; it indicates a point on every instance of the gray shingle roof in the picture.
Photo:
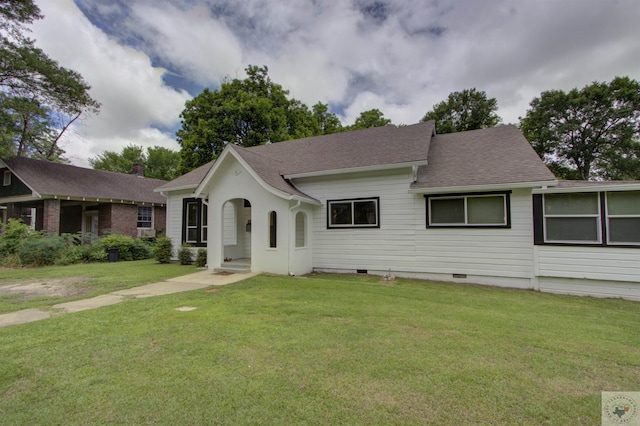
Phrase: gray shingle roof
(188, 180)
(494, 156)
(54, 179)
(357, 149)
(361, 148)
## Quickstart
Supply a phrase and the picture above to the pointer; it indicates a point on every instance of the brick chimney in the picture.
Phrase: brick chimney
(138, 170)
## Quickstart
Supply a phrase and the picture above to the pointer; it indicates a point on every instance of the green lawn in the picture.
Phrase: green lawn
(324, 350)
(89, 280)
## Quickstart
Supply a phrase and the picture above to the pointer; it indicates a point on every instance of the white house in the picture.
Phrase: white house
(477, 207)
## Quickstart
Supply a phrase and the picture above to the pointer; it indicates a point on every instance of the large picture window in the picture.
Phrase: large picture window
(588, 218)
(470, 210)
(353, 213)
(194, 221)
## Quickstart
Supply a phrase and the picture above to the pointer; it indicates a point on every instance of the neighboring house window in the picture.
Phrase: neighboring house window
(469, 210)
(572, 218)
(273, 229)
(6, 181)
(300, 229)
(194, 222)
(588, 218)
(354, 213)
(145, 217)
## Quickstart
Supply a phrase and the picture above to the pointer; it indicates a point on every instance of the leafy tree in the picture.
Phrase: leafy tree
(39, 99)
(588, 133)
(159, 162)
(327, 122)
(462, 111)
(371, 118)
(246, 112)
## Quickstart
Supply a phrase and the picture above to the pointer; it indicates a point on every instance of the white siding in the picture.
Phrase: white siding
(174, 216)
(596, 263)
(403, 244)
(229, 225)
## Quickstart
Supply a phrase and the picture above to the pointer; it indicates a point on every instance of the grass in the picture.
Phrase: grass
(95, 279)
(324, 350)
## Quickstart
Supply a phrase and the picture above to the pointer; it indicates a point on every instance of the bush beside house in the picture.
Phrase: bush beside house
(20, 246)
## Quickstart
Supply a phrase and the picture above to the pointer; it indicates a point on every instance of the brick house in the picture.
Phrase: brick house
(59, 198)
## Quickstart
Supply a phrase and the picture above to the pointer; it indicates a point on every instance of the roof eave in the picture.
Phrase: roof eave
(230, 151)
(485, 187)
(176, 188)
(588, 188)
(355, 169)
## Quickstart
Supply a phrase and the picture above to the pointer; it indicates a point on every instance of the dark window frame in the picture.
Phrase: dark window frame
(273, 229)
(351, 225)
(465, 195)
(539, 232)
(199, 242)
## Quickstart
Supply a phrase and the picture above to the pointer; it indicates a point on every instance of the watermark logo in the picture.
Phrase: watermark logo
(621, 408)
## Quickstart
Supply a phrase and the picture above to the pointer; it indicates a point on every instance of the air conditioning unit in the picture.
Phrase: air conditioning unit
(146, 233)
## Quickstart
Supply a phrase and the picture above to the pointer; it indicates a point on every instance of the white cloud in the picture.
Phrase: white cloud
(200, 46)
(131, 91)
(400, 56)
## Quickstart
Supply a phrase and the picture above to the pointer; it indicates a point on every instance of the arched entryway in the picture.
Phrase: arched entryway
(236, 235)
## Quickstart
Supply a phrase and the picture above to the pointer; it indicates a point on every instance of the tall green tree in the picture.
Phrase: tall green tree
(158, 162)
(370, 118)
(467, 110)
(326, 121)
(588, 133)
(39, 99)
(246, 112)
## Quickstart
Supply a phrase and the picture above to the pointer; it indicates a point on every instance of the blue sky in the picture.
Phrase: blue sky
(145, 58)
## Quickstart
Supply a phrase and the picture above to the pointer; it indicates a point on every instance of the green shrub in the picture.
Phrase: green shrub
(201, 258)
(140, 249)
(13, 234)
(185, 255)
(129, 248)
(40, 251)
(163, 249)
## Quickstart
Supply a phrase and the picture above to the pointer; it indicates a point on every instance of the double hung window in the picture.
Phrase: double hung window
(145, 217)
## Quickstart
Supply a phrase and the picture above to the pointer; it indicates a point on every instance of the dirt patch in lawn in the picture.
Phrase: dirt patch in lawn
(44, 287)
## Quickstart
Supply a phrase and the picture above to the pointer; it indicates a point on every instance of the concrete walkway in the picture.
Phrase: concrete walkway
(189, 282)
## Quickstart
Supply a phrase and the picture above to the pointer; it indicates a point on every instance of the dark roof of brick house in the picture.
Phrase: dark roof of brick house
(51, 179)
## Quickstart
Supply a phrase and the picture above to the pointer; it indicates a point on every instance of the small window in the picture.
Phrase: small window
(300, 229)
(572, 218)
(145, 217)
(623, 217)
(205, 219)
(6, 181)
(476, 210)
(192, 222)
(355, 213)
(273, 229)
